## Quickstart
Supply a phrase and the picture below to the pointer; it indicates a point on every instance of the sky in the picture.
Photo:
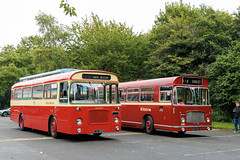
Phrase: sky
(17, 17)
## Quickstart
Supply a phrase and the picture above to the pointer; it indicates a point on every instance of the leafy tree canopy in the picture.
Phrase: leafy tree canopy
(184, 40)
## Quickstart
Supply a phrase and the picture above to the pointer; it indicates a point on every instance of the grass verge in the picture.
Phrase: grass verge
(223, 125)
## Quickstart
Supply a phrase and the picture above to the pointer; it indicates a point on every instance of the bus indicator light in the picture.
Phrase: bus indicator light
(78, 108)
(79, 121)
(208, 119)
(183, 120)
(79, 130)
(116, 119)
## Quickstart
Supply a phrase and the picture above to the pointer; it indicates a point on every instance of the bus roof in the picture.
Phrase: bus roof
(46, 74)
(69, 75)
(167, 81)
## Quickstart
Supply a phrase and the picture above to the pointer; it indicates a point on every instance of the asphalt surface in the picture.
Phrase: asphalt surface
(129, 144)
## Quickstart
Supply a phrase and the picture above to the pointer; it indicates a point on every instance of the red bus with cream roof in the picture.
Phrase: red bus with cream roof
(67, 101)
(173, 104)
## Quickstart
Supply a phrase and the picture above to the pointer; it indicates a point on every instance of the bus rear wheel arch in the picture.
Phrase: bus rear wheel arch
(148, 124)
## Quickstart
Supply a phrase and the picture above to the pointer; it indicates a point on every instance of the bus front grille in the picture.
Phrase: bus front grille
(195, 116)
(98, 116)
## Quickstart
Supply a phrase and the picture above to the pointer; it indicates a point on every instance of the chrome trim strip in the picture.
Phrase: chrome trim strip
(131, 122)
(147, 103)
(159, 125)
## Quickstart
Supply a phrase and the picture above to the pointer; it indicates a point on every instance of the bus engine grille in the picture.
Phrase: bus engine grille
(98, 116)
(195, 116)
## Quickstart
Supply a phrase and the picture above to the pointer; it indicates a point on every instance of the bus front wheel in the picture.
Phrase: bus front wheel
(149, 125)
(53, 128)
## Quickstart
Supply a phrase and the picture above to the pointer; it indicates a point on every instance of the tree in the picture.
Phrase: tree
(223, 76)
(185, 40)
(48, 59)
(52, 33)
(67, 8)
(107, 46)
(47, 50)
(8, 76)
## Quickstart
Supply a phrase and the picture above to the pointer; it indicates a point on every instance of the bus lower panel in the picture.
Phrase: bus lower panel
(184, 128)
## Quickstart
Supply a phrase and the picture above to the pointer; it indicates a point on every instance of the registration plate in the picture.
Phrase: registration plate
(196, 129)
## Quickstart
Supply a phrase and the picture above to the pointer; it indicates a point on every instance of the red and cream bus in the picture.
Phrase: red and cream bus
(173, 104)
(67, 101)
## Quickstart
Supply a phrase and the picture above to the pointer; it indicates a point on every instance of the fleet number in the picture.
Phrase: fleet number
(145, 109)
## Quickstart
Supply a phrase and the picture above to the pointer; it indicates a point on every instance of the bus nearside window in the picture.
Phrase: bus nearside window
(165, 93)
(122, 94)
(63, 98)
(147, 94)
(133, 94)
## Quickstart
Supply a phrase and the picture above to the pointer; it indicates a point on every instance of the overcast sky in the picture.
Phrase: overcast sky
(17, 17)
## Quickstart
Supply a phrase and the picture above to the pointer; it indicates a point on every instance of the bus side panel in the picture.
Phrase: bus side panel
(162, 115)
(26, 111)
(14, 116)
(131, 115)
(41, 117)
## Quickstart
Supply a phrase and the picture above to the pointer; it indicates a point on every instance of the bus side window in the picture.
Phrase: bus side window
(165, 93)
(133, 94)
(63, 98)
(122, 94)
(147, 94)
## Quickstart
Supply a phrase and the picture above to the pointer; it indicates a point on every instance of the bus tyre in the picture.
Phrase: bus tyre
(53, 128)
(21, 123)
(149, 125)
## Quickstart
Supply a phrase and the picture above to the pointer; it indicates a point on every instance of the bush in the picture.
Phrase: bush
(221, 116)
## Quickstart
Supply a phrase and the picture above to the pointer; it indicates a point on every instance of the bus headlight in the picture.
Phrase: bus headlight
(116, 119)
(208, 119)
(183, 120)
(79, 121)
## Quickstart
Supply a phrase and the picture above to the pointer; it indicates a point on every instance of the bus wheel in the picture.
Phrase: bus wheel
(53, 128)
(149, 128)
(21, 123)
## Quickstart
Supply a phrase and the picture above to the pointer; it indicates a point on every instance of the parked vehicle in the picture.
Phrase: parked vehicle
(5, 112)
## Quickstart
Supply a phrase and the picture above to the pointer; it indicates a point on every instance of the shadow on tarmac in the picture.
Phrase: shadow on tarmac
(169, 133)
(67, 137)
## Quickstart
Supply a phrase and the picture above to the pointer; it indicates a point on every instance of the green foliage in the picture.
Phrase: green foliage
(48, 59)
(8, 76)
(186, 39)
(224, 77)
(107, 46)
(53, 34)
(68, 10)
